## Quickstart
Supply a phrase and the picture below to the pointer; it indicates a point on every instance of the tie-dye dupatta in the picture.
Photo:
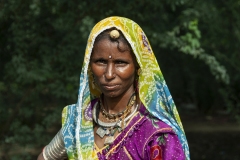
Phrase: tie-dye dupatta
(78, 127)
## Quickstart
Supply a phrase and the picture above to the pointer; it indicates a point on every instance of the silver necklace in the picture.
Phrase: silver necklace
(111, 124)
(110, 128)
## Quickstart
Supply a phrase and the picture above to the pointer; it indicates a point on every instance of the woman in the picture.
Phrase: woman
(124, 108)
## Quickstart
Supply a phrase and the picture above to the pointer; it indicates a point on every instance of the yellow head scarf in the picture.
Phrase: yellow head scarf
(153, 91)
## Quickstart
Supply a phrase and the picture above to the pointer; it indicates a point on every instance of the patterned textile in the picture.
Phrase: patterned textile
(153, 92)
(159, 142)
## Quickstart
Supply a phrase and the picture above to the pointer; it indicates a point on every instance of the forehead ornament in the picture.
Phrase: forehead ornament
(114, 34)
(110, 57)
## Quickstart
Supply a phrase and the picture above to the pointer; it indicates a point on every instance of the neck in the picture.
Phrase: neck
(117, 104)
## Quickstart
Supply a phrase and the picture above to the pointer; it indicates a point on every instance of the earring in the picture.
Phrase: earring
(93, 84)
(93, 80)
(136, 83)
(139, 71)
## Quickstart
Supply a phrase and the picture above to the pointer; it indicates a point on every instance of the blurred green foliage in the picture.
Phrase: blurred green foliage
(42, 46)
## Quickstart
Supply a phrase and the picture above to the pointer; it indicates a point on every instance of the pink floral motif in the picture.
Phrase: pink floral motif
(145, 42)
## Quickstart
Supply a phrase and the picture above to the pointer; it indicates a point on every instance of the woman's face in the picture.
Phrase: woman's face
(113, 71)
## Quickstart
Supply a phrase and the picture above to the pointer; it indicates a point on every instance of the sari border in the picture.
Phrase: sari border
(126, 134)
(127, 153)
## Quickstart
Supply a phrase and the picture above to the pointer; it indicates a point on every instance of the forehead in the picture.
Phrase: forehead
(105, 48)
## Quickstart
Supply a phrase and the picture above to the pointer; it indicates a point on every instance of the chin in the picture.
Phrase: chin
(111, 94)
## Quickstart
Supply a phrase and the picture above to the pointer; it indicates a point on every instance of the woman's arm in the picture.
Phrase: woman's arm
(165, 146)
(40, 157)
(55, 150)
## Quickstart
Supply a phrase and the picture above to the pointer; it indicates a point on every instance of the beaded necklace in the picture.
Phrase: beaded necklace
(118, 121)
(115, 117)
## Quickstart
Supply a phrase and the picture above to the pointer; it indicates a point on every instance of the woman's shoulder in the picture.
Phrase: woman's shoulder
(161, 141)
(67, 113)
(152, 123)
(143, 132)
(145, 126)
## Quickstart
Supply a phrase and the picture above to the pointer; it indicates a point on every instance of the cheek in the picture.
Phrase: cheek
(127, 74)
(97, 76)
(95, 71)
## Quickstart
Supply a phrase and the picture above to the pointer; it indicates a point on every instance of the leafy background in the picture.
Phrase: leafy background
(42, 45)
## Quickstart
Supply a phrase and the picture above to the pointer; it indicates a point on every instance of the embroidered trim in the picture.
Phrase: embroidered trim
(129, 132)
(97, 149)
(127, 153)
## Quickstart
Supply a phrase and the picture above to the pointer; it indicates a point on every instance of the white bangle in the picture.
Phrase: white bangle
(44, 155)
(55, 150)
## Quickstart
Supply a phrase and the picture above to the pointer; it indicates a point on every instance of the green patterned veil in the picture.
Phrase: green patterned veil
(77, 127)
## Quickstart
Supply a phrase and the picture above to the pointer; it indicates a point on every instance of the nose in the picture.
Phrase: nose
(110, 72)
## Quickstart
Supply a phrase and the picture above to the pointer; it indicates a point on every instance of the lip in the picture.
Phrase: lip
(110, 87)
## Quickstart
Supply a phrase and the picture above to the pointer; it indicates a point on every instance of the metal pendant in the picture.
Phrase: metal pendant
(109, 140)
(119, 125)
(101, 132)
(119, 129)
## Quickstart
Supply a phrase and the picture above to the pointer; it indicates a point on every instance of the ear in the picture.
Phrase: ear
(139, 71)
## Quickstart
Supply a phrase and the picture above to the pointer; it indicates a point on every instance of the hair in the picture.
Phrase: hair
(123, 44)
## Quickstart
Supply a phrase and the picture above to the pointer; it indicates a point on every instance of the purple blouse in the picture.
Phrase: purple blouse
(144, 138)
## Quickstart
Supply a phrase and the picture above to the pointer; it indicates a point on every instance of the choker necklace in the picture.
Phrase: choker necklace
(111, 124)
(109, 129)
(115, 117)
(118, 121)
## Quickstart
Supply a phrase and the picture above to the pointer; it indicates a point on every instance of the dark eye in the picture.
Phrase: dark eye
(101, 61)
(121, 62)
